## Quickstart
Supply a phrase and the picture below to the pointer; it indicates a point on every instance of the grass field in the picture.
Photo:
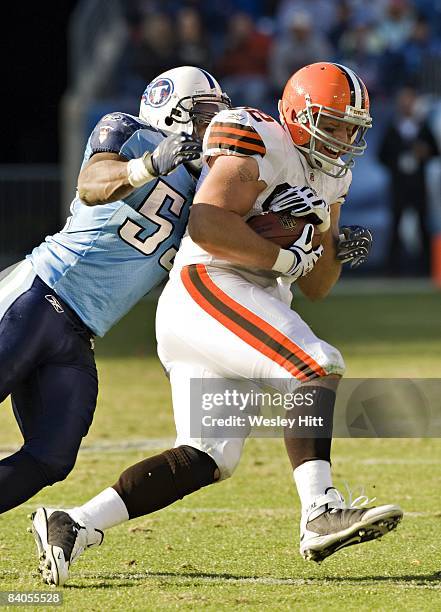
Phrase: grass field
(234, 545)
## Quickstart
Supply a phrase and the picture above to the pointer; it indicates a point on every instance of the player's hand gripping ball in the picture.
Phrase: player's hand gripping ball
(291, 208)
(302, 202)
(282, 228)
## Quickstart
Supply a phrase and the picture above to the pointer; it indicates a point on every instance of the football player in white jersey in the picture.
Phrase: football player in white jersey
(232, 285)
(225, 314)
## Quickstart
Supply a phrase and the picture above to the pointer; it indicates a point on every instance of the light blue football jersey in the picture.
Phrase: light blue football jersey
(108, 256)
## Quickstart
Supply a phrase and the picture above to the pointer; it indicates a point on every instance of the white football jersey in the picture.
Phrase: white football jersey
(250, 132)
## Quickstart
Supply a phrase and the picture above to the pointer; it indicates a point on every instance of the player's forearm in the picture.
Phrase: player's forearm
(224, 234)
(326, 272)
(104, 182)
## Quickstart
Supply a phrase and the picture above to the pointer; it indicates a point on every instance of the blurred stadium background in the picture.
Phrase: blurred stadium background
(94, 56)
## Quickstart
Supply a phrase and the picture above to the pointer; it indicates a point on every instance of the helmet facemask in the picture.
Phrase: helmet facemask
(310, 118)
(198, 110)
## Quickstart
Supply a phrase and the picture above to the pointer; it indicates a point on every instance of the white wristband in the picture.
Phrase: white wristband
(284, 261)
(137, 173)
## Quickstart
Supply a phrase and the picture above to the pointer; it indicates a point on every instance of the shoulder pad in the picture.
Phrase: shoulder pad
(235, 132)
(112, 131)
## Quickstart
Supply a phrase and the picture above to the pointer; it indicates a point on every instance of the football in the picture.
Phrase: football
(281, 228)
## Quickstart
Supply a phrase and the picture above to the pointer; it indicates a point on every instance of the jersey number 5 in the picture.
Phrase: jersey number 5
(162, 197)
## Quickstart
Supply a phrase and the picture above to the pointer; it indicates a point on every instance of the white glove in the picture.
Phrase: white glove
(303, 202)
(300, 258)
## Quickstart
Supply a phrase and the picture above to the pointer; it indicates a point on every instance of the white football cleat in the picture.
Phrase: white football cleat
(329, 524)
(60, 541)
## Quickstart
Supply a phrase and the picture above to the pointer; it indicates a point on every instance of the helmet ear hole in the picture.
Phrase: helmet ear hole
(168, 121)
(302, 136)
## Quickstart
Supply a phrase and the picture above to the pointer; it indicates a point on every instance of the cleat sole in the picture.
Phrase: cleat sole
(357, 535)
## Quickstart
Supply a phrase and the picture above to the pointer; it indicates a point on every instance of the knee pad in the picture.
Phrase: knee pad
(227, 454)
(335, 363)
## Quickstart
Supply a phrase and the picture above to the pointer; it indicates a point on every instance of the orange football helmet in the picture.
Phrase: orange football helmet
(326, 90)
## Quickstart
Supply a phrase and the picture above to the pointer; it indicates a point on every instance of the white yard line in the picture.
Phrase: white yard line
(148, 444)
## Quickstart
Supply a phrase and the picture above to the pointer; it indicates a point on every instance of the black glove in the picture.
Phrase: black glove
(355, 243)
(172, 151)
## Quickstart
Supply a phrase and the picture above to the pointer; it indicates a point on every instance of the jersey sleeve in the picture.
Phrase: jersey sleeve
(235, 132)
(112, 131)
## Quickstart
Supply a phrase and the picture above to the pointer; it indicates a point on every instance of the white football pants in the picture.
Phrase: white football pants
(213, 323)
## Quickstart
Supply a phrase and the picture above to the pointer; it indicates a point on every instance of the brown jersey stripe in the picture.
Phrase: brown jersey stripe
(241, 138)
(242, 323)
(225, 131)
(227, 124)
(234, 148)
(248, 148)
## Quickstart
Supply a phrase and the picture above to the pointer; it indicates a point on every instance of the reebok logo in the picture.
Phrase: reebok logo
(55, 303)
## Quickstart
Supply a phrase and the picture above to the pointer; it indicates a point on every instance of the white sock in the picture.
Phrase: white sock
(105, 510)
(312, 478)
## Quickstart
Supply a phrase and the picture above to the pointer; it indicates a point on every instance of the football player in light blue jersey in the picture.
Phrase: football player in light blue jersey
(126, 245)
(135, 188)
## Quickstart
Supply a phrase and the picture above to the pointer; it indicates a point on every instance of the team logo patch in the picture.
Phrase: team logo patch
(54, 302)
(158, 93)
(237, 115)
(113, 117)
(104, 132)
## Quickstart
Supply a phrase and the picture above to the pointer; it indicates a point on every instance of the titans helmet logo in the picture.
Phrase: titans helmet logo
(158, 92)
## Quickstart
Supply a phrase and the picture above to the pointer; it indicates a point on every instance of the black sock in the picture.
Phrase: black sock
(159, 481)
(310, 442)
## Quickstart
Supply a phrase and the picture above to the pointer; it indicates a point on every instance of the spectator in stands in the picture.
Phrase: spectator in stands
(192, 46)
(156, 49)
(394, 31)
(243, 66)
(323, 13)
(396, 26)
(360, 49)
(299, 46)
(431, 11)
(422, 57)
(343, 21)
(407, 146)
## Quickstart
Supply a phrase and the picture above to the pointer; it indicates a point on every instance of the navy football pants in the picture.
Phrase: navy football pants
(47, 366)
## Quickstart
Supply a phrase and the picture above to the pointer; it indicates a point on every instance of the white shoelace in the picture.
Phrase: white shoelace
(357, 502)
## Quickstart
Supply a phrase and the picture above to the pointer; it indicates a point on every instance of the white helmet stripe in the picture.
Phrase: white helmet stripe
(357, 98)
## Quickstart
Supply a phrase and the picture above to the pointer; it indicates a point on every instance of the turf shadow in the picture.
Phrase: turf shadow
(132, 578)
